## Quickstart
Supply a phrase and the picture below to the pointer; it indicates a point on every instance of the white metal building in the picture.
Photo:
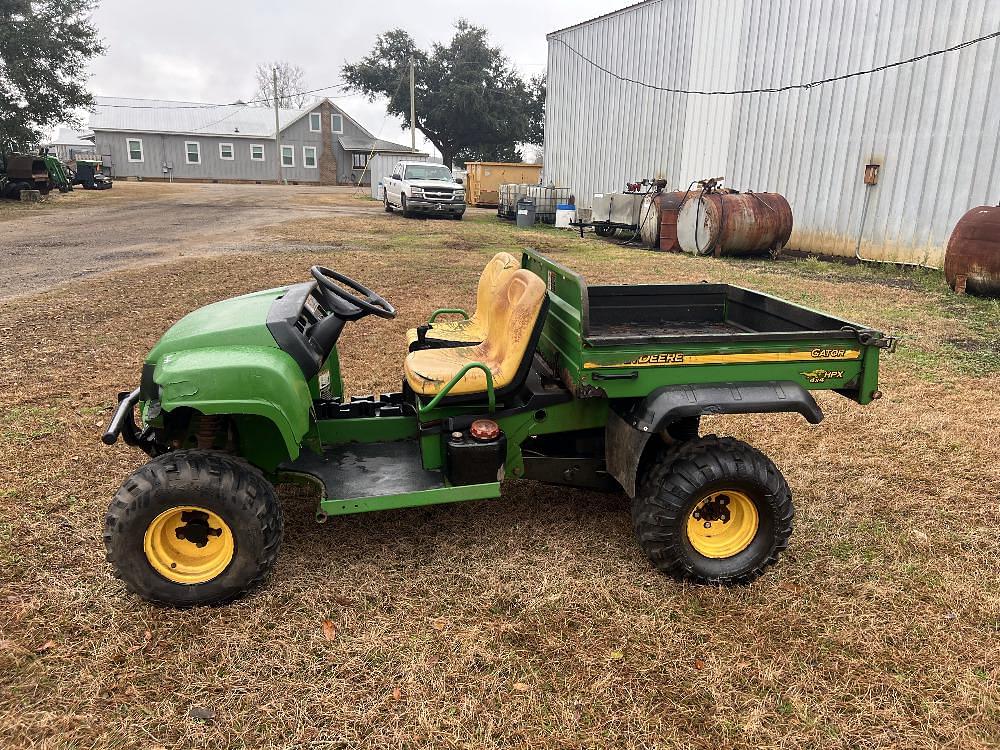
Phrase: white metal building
(932, 126)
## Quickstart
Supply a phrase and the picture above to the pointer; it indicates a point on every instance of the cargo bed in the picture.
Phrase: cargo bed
(671, 313)
(624, 341)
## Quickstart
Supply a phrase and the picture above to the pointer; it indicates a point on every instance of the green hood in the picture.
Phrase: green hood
(240, 321)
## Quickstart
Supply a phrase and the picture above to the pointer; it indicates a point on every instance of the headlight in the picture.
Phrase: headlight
(417, 192)
(460, 194)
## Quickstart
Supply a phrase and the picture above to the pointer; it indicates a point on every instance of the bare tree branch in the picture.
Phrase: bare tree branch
(291, 84)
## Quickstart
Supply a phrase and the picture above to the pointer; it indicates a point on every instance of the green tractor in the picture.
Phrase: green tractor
(550, 379)
(60, 175)
(40, 172)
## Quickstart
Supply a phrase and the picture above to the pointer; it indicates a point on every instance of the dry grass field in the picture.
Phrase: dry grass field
(532, 620)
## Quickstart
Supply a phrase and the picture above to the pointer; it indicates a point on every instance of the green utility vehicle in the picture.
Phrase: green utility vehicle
(550, 379)
(89, 174)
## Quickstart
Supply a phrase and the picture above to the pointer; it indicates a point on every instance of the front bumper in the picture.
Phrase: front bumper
(123, 423)
(423, 205)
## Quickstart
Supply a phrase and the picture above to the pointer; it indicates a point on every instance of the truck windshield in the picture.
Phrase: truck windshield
(428, 172)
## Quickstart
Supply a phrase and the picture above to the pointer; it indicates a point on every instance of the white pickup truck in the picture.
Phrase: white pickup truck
(425, 188)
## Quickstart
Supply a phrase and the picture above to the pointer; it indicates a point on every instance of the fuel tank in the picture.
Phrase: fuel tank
(733, 223)
(670, 206)
(972, 260)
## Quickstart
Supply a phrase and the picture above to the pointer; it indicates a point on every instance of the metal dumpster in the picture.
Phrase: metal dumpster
(484, 179)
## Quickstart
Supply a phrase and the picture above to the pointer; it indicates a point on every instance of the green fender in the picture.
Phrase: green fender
(239, 380)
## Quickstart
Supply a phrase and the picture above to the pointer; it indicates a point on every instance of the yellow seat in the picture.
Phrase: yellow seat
(473, 330)
(516, 316)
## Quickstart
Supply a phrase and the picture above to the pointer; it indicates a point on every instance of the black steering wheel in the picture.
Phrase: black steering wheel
(370, 303)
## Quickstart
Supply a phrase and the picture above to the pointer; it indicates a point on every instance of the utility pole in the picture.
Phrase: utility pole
(413, 111)
(277, 142)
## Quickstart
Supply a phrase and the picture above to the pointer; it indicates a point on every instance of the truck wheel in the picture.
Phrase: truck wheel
(714, 510)
(388, 206)
(193, 527)
(402, 204)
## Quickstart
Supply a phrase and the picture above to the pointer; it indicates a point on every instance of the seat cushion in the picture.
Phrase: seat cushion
(427, 370)
(515, 316)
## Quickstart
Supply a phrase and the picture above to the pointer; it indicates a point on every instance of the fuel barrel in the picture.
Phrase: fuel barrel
(670, 206)
(972, 260)
(734, 223)
(649, 220)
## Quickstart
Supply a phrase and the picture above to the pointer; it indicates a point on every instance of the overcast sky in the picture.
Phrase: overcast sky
(207, 51)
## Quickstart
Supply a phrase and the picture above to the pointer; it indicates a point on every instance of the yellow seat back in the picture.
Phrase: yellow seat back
(500, 267)
(513, 315)
(507, 349)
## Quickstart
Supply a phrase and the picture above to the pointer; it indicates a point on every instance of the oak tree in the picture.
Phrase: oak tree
(471, 102)
(45, 46)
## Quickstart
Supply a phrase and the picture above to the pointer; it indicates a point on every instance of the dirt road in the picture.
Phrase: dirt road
(85, 233)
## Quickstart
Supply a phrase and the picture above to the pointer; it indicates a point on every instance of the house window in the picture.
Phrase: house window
(315, 122)
(359, 160)
(134, 146)
(226, 151)
(192, 152)
(256, 152)
(337, 123)
(288, 156)
(309, 157)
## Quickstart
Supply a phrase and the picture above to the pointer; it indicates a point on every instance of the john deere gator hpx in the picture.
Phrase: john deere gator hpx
(549, 380)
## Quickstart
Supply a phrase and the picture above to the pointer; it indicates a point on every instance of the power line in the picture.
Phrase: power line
(222, 119)
(777, 89)
(265, 100)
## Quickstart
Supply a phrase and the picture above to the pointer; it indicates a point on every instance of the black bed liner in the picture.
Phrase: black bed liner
(653, 313)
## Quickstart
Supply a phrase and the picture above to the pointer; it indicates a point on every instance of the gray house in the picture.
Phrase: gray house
(164, 140)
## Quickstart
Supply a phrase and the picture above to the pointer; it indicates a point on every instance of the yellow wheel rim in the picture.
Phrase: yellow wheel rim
(189, 544)
(722, 524)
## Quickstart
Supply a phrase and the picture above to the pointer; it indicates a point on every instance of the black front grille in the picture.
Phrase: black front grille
(442, 195)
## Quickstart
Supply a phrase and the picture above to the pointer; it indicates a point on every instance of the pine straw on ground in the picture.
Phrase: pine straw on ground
(528, 621)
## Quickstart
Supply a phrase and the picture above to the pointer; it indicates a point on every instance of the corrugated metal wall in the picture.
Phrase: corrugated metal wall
(380, 166)
(934, 126)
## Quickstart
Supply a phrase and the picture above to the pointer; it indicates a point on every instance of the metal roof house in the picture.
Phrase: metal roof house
(70, 145)
(168, 140)
(686, 90)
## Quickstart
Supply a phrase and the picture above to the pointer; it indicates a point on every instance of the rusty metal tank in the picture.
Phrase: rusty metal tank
(658, 220)
(734, 223)
(972, 261)
(670, 206)
(649, 220)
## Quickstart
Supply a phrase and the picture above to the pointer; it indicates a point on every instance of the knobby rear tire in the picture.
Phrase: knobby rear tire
(225, 485)
(680, 477)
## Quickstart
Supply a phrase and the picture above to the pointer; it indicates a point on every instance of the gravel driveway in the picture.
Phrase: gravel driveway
(85, 233)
